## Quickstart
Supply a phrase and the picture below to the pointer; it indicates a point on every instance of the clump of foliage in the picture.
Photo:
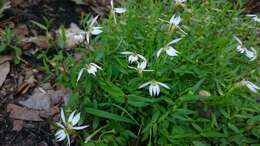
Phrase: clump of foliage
(207, 104)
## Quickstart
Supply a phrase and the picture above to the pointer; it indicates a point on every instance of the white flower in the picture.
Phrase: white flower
(254, 17)
(180, 1)
(251, 86)
(92, 29)
(116, 10)
(133, 57)
(154, 87)
(251, 54)
(91, 68)
(175, 20)
(169, 49)
(141, 67)
(240, 46)
(67, 126)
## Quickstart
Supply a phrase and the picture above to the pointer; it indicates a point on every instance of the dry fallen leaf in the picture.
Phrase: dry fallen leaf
(45, 100)
(5, 59)
(4, 70)
(21, 113)
(38, 101)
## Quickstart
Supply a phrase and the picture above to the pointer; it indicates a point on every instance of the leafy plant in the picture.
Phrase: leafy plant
(8, 43)
(206, 104)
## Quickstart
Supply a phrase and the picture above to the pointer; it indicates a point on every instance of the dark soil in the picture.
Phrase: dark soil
(253, 7)
(59, 12)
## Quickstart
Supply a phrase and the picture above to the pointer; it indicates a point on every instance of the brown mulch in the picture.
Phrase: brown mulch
(252, 7)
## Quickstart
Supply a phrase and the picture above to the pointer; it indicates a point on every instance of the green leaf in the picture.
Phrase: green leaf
(233, 127)
(194, 97)
(200, 143)
(254, 120)
(107, 115)
(212, 134)
(140, 101)
(115, 92)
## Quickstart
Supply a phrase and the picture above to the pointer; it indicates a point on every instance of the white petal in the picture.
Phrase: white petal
(94, 20)
(175, 19)
(151, 90)
(142, 57)
(71, 117)
(63, 116)
(88, 37)
(132, 58)
(59, 132)
(174, 41)
(80, 127)
(61, 136)
(157, 89)
(159, 52)
(241, 49)
(96, 31)
(256, 19)
(238, 40)
(95, 65)
(250, 87)
(92, 70)
(251, 15)
(171, 51)
(80, 74)
(256, 87)
(143, 85)
(120, 10)
(251, 54)
(60, 125)
(75, 119)
(164, 85)
(254, 54)
(126, 53)
(142, 65)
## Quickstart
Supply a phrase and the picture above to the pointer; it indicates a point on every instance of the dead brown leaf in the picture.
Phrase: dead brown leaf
(45, 100)
(4, 70)
(21, 113)
(5, 59)
(38, 101)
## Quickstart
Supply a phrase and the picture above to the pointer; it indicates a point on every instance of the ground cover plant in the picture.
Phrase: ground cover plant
(153, 72)
(168, 73)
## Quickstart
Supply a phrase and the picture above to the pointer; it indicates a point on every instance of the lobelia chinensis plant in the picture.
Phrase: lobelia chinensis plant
(92, 30)
(154, 87)
(91, 68)
(116, 10)
(193, 99)
(170, 51)
(68, 126)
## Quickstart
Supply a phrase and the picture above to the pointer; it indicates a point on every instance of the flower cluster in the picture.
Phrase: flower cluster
(141, 64)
